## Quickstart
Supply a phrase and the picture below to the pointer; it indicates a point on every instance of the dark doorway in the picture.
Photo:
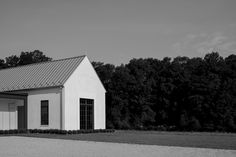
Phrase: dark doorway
(86, 114)
(21, 117)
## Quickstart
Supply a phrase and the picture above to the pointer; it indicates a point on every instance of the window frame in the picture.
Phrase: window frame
(42, 123)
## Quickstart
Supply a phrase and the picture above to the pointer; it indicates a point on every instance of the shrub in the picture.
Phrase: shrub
(1, 132)
(35, 131)
(20, 131)
(63, 132)
(5, 131)
(30, 130)
(69, 132)
(78, 131)
(54, 131)
(11, 131)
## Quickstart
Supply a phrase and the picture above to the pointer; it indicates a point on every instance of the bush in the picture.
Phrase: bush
(47, 131)
(63, 132)
(35, 131)
(30, 130)
(1, 132)
(22, 131)
(54, 131)
(11, 132)
(5, 131)
(74, 131)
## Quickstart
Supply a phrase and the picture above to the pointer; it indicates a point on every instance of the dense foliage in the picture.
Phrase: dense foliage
(24, 59)
(192, 94)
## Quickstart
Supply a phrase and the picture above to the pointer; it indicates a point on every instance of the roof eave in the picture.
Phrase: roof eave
(48, 87)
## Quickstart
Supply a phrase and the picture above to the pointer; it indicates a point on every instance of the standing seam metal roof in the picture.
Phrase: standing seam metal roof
(38, 75)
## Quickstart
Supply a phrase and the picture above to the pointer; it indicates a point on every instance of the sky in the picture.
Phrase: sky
(115, 31)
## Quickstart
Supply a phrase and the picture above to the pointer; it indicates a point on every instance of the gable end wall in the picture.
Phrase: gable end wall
(83, 83)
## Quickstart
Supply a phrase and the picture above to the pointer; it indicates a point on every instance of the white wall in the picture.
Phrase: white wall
(34, 108)
(83, 83)
(8, 113)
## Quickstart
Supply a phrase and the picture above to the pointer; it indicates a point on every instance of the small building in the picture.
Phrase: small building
(63, 94)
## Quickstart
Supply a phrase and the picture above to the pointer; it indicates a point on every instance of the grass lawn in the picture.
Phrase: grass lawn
(182, 139)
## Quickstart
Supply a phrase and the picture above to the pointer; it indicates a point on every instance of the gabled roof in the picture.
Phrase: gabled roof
(39, 75)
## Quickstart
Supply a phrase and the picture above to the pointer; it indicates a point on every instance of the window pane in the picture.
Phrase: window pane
(82, 117)
(82, 101)
(89, 117)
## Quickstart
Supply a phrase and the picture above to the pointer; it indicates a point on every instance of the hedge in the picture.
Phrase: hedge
(54, 131)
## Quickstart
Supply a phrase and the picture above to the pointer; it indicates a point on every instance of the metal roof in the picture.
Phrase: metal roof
(39, 75)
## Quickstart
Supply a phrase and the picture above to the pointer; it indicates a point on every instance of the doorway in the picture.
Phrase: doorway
(21, 117)
(86, 114)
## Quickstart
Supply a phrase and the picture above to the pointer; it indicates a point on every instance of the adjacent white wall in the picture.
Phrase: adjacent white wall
(34, 108)
(83, 83)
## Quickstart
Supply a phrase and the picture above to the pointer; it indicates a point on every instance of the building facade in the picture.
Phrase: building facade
(63, 94)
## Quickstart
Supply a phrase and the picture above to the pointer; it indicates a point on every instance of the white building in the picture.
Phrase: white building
(62, 94)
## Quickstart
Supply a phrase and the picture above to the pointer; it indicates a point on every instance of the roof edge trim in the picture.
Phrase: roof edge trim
(43, 62)
(60, 86)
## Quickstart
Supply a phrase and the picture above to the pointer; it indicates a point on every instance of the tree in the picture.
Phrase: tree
(32, 57)
(2, 63)
(25, 58)
(104, 71)
(197, 94)
(12, 61)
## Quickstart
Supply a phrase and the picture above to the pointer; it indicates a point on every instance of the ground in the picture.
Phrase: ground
(120, 144)
(180, 139)
(16, 146)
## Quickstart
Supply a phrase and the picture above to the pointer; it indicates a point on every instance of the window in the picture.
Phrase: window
(86, 113)
(44, 112)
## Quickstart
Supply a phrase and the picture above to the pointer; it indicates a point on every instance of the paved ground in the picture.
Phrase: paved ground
(40, 147)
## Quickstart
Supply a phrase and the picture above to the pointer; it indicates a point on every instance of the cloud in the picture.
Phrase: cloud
(210, 43)
(229, 46)
(205, 43)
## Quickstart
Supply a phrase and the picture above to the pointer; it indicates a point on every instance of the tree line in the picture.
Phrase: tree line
(190, 94)
(186, 94)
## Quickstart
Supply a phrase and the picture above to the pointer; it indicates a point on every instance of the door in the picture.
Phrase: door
(86, 114)
(21, 117)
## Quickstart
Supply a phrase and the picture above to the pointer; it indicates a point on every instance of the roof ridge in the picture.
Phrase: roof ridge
(43, 62)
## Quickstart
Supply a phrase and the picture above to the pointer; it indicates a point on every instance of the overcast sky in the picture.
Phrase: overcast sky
(115, 31)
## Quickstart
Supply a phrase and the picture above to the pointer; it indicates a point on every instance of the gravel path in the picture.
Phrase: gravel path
(41, 147)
